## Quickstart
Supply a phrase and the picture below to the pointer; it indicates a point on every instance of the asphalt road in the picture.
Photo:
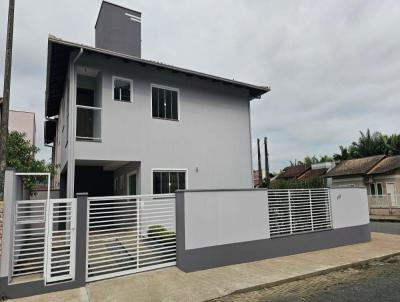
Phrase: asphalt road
(377, 281)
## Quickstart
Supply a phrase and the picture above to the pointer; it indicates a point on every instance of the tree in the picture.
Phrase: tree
(21, 155)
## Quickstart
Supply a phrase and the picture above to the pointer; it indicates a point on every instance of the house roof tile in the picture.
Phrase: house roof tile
(357, 166)
(386, 165)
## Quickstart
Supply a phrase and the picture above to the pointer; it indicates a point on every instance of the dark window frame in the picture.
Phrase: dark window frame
(170, 109)
(130, 81)
(158, 180)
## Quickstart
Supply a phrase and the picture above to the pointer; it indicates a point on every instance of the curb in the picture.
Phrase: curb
(391, 220)
(305, 276)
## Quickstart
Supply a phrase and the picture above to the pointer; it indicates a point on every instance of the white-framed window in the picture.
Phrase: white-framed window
(376, 189)
(168, 181)
(122, 89)
(164, 102)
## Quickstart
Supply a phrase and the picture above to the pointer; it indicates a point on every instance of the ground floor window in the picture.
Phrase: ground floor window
(376, 189)
(165, 182)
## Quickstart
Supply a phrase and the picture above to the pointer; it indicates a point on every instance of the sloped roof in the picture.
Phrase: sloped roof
(293, 171)
(357, 166)
(58, 59)
(313, 173)
(386, 165)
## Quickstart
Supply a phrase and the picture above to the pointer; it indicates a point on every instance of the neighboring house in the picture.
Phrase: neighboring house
(292, 172)
(119, 124)
(21, 121)
(351, 173)
(256, 179)
(380, 175)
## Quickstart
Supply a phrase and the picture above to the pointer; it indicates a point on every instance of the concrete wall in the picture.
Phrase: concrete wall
(222, 217)
(23, 122)
(349, 207)
(216, 228)
(211, 139)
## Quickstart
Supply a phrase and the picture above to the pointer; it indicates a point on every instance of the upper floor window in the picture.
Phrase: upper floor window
(164, 102)
(122, 89)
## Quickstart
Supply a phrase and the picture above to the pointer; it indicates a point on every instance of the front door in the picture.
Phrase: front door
(391, 192)
(132, 184)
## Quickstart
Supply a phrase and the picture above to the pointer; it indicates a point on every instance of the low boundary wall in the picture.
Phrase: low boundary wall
(216, 228)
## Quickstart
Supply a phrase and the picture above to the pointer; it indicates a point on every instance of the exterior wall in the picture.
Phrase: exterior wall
(211, 139)
(23, 122)
(351, 181)
(385, 179)
(122, 175)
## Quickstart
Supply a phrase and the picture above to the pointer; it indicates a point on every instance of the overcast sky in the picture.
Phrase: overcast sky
(333, 66)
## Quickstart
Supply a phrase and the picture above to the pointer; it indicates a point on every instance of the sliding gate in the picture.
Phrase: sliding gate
(130, 234)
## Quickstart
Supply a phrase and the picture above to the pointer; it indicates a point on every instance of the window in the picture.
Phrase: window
(165, 182)
(372, 189)
(379, 189)
(376, 189)
(164, 102)
(122, 89)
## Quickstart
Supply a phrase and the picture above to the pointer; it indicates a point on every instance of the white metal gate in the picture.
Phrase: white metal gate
(60, 240)
(44, 239)
(130, 234)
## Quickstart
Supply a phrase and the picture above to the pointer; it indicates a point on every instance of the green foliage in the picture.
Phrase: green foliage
(21, 156)
(370, 144)
(157, 230)
(314, 182)
(310, 160)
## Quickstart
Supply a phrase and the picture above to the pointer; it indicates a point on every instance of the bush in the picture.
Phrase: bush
(158, 230)
(315, 182)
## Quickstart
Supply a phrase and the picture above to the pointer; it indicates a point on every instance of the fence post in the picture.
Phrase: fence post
(311, 210)
(81, 255)
(390, 204)
(290, 212)
(8, 223)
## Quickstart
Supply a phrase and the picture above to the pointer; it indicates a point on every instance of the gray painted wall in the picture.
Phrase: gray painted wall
(215, 218)
(118, 32)
(349, 207)
(213, 133)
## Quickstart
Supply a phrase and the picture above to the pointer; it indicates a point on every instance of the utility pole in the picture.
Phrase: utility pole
(259, 163)
(6, 94)
(266, 155)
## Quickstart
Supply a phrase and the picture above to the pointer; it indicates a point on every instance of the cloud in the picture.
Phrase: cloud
(333, 66)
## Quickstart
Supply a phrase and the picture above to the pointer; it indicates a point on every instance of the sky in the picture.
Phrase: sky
(333, 66)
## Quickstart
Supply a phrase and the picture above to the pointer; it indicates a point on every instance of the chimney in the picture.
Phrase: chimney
(119, 29)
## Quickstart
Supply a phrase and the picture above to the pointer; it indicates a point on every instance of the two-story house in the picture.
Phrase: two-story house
(121, 124)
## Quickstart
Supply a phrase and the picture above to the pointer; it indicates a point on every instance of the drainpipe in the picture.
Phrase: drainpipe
(71, 124)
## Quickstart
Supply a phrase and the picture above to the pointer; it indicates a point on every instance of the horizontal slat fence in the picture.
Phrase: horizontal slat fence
(298, 211)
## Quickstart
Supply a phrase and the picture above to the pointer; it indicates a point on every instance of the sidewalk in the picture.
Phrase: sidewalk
(171, 284)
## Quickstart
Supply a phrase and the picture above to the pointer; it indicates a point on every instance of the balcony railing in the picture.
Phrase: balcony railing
(384, 201)
(88, 123)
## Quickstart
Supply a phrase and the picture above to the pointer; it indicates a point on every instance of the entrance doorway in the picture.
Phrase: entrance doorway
(131, 186)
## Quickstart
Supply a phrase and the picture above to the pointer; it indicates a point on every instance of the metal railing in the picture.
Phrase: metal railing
(129, 234)
(384, 201)
(298, 211)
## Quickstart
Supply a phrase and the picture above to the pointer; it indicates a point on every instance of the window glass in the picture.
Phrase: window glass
(372, 189)
(166, 182)
(379, 189)
(156, 183)
(165, 103)
(154, 101)
(122, 90)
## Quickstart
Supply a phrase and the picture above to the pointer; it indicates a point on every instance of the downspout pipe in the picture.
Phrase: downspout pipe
(78, 56)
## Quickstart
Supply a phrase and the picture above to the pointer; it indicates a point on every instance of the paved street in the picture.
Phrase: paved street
(378, 281)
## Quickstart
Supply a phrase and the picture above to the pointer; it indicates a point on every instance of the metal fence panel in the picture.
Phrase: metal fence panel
(298, 211)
